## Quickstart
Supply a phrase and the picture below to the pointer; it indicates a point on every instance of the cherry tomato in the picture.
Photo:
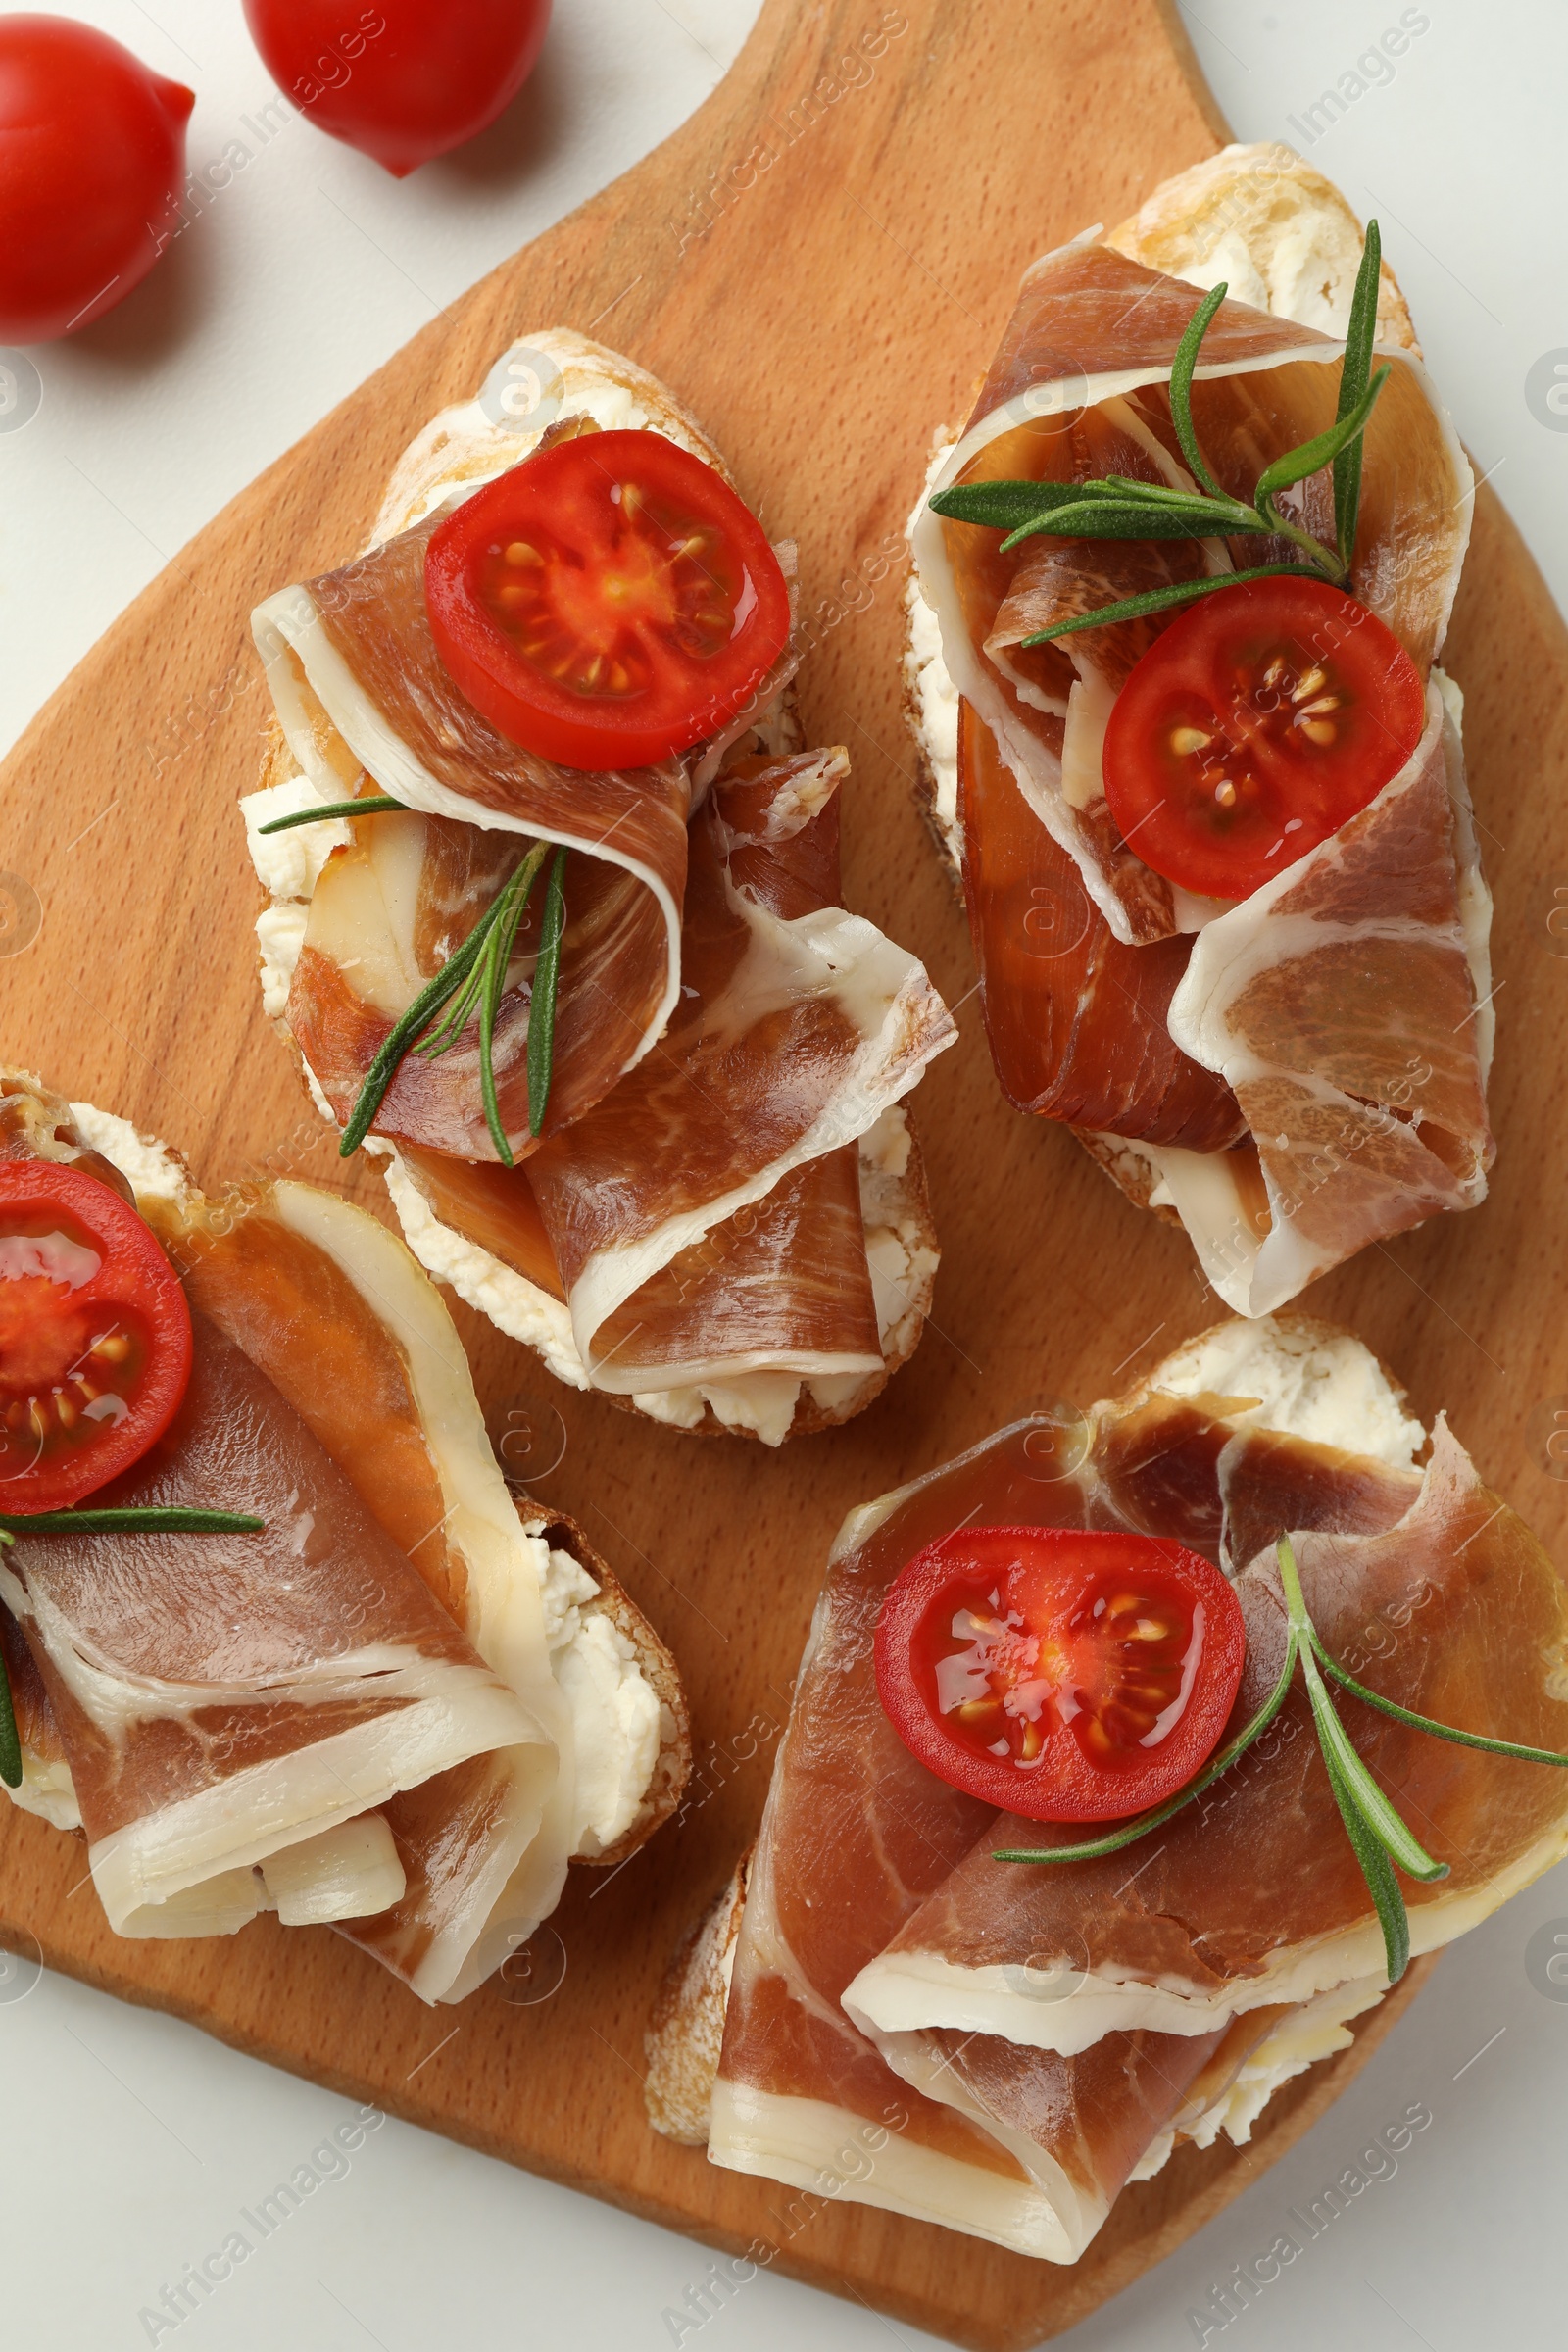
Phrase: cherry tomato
(92, 161)
(404, 81)
(1254, 727)
(94, 1335)
(1064, 1675)
(608, 602)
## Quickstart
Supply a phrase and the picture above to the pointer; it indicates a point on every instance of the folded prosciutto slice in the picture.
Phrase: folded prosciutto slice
(402, 1708)
(808, 1025)
(1223, 1918)
(1001, 2047)
(386, 913)
(723, 1220)
(1300, 1072)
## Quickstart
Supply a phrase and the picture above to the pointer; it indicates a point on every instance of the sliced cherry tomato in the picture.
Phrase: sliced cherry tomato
(1254, 727)
(608, 602)
(404, 81)
(95, 1336)
(92, 163)
(1064, 1675)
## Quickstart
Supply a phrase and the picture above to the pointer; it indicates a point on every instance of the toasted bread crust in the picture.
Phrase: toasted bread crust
(673, 1770)
(1127, 1168)
(1294, 228)
(686, 2034)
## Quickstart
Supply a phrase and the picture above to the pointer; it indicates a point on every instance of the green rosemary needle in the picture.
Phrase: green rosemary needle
(1355, 376)
(546, 980)
(1381, 1840)
(473, 980)
(1114, 507)
(146, 1519)
(10, 1738)
(374, 804)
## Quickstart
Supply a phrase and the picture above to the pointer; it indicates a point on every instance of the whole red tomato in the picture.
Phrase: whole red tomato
(404, 81)
(92, 160)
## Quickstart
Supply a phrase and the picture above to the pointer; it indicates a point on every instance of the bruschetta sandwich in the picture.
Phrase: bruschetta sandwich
(1132, 1757)
(560, 934)
(277, 1635)
(1180, 587)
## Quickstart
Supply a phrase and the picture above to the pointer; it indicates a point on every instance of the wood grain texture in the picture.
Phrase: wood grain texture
(858, 258)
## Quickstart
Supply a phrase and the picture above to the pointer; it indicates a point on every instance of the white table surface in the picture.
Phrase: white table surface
(134, 2142)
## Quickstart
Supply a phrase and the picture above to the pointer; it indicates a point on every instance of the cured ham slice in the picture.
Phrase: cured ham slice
(724, 1219)
(807, 1028)
(360, 693)
(46, 1786)
(487, 1238)
(1221, 1916)
(1340, 1004)
(1115, 1000)
(410, 731)
(965, 2126)
(331, 1371)
(1112, 2114)
(755, 1251)
(386, 914)
(784, 1288)
(1096, 331)
(1076, 1020)
(330, 1305)
(222, 1697)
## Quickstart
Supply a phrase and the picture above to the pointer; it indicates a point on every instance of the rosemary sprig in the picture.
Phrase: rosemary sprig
(374, 804)
(1113, 507)
(1381, 1840)
(140, 1519)
(501, 917)
(473, 980)
(10, 1738)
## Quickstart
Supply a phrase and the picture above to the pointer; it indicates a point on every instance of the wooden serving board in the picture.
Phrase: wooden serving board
(818, 263)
